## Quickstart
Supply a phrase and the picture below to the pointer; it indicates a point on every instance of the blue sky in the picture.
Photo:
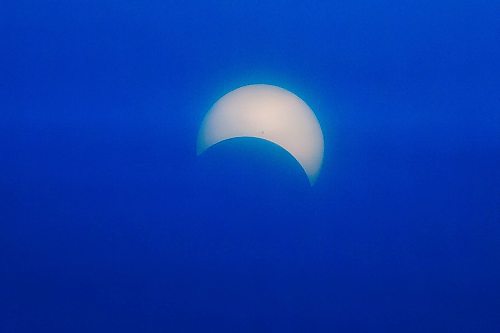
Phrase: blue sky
(110, 222)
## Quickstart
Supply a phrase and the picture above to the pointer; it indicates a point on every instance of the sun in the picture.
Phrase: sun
(270, 113)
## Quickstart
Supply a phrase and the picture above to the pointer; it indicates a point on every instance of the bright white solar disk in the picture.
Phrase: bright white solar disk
(270, 113)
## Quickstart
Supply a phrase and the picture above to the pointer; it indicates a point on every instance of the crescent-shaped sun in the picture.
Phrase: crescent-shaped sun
(270, 113)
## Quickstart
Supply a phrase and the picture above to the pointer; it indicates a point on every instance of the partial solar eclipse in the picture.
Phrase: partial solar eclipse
(270, 113)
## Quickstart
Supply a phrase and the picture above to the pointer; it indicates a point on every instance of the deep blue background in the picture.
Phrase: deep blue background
(110, 223)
